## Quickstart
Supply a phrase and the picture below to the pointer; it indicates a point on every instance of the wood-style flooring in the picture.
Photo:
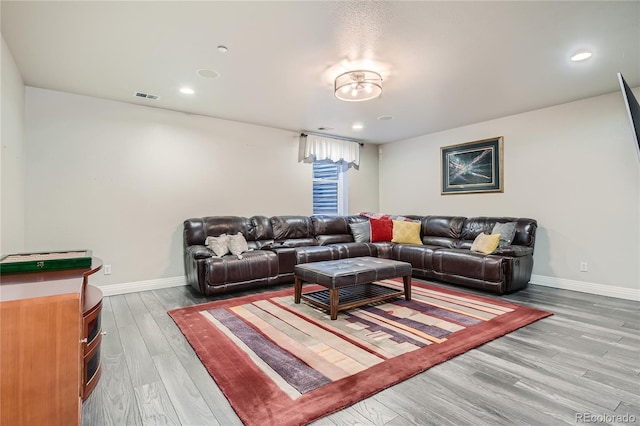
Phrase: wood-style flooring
(581, 365)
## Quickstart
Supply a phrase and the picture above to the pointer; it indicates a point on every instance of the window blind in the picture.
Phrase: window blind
(326, 188)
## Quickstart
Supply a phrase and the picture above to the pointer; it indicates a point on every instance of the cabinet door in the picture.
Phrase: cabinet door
(40, 344)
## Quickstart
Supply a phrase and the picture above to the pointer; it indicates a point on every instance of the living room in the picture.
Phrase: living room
(119, 178)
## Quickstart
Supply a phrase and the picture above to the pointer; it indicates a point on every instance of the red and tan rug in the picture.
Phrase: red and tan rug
(279, 363)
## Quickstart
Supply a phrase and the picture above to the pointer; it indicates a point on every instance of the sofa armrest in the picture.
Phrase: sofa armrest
(513, 251)
(199, 252)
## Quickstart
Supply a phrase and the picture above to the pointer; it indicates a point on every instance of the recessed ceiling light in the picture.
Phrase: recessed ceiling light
(385, 117)
(357, 126)
(580, 55)
(207, 73)
(222, 49)
(187, 90)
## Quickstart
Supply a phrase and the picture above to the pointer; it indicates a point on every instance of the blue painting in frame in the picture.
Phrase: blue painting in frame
(473, 167)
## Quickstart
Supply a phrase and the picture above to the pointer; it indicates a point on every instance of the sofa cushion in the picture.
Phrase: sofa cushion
(298, 242)
(316, 254)
(485, 243)
(420, 257)
(291, 227)
(348, 250)
(361, 232)
(507, 231)
(330, 225)
(406, 232)
(254, 265)
(477, 225)
(442, 231)
(260, 228)
(218, 245)
(196, 230)
(459, 262)
(381, 230)
(324, 240)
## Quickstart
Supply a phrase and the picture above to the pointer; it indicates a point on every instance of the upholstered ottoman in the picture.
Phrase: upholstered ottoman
(350, 282)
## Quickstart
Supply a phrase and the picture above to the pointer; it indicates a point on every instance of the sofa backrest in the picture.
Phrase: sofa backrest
(256, 229)
(525, 230)
(442, 231)
(331, 229)
(296, 231)
(293, 231)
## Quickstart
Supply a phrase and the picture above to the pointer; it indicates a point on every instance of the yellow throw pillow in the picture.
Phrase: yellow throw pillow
(406, 232)
(485, 243)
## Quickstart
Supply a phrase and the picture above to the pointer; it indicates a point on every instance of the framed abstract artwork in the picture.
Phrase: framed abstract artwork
(472, 167)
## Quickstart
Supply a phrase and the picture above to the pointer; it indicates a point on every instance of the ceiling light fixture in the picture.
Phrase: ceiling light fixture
(580, 55)
(207, 73)
(223, 49)
(187, 91)
(357, 126)
(359, 85)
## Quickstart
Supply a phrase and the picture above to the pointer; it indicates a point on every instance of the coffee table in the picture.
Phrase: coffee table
(350, 282)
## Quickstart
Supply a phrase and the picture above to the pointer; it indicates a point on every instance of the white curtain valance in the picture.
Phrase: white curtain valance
(322, 148)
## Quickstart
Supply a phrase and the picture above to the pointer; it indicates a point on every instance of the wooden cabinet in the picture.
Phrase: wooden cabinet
(92, 337)
(42, 353)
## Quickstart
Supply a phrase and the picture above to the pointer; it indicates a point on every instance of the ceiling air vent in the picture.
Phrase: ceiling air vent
(146, 95)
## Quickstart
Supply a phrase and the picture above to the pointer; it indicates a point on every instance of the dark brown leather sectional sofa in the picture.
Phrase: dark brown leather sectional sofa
(281, 242)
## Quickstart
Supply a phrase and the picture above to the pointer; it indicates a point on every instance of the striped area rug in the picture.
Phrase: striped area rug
(279, 363)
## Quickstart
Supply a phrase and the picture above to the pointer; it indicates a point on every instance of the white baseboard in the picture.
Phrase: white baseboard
(115, 289)
(586, 287)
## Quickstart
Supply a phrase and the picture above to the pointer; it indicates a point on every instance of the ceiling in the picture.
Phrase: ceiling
(444, 64)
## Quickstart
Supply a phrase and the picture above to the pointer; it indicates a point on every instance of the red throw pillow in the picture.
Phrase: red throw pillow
(381, 230)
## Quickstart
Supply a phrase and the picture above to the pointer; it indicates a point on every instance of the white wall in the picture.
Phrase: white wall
(363, 183)
(573, 167)
(120, 179)
(12, 186)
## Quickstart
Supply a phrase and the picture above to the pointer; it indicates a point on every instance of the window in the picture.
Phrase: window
(329, 189)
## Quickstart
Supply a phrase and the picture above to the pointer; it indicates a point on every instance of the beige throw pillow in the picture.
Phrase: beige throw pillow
(219, 245)
(238, 244)
(485, 243)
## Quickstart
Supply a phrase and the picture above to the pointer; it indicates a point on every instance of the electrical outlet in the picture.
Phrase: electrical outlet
(583, 266)
(107, 269)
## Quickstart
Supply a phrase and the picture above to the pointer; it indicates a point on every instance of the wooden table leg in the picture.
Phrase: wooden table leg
(297, 290)
(407, 287)
(334, 294)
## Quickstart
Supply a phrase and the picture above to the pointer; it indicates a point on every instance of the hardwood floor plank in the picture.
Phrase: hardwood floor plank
(136, 352)
(187, 400)
(427, 401)
(114, 389)
(349, 417)
(374, 411)
(149, 330)
(155, 405)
